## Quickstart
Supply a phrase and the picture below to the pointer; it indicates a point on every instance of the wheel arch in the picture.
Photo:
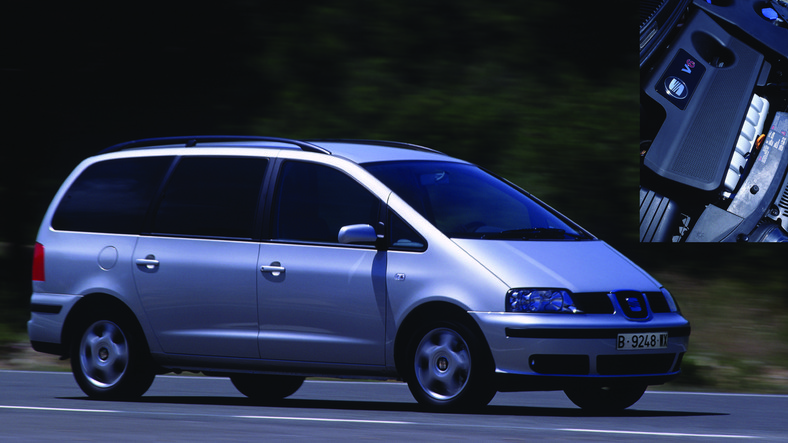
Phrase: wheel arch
(90, 307)
(431, 312)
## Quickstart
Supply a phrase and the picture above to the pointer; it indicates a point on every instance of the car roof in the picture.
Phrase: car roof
(366, 151)
(357, 151)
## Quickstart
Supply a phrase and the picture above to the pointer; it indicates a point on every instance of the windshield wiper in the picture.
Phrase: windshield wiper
(533, 234)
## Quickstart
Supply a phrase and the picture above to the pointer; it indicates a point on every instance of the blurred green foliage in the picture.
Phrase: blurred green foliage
(739, 318)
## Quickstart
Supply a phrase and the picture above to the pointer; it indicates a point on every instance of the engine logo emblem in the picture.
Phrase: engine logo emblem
(675, 87)
(681, 80)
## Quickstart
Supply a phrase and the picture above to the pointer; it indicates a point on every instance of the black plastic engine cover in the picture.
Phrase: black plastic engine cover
(746, 16)
(704, 82)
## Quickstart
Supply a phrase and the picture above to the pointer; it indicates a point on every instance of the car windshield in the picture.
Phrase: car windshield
(464, 201)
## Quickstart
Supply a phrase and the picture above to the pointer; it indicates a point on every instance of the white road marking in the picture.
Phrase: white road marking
(337, 420)
(383, 422)
(659, 434)
(40, 408)
(718, 394)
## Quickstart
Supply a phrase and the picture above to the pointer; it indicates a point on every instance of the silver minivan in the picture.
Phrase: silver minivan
(269, 260)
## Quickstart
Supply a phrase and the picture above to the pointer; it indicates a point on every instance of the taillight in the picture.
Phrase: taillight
(38, 262)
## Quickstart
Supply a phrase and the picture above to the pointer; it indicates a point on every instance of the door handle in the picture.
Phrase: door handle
(149, 262)
(274, 268)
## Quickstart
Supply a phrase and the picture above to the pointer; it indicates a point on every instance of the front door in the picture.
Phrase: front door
(322, 304)
(321, 301)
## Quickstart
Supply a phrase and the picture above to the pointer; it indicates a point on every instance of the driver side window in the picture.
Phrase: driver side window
(313, 202)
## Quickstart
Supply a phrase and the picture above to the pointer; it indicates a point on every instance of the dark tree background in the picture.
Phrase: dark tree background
(541, 92)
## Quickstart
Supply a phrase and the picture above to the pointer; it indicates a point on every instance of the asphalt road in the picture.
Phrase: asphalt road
(48, 406)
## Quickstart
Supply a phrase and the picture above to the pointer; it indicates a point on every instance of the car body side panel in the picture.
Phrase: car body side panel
(201, 297)
(327, 305)
(83, 263)
(443, 272)
(79, 264)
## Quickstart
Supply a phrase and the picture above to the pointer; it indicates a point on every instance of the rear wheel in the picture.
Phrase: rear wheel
(109, 360)
(266, 387)
(606, 399)
(449, 368)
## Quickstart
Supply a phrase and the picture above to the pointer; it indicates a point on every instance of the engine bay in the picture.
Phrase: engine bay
(714, 123)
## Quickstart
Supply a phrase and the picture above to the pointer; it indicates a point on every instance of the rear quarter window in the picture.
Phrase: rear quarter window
(112, 196)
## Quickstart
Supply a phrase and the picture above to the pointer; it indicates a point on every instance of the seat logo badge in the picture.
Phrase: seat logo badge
(676, 88)
(634, 304)
(399, 277)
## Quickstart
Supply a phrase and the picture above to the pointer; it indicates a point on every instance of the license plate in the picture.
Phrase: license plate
(639, 341)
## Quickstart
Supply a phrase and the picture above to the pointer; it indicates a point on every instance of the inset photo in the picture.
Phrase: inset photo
(713, 122)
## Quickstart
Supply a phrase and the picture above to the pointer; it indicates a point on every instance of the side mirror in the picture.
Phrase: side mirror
(357, 234)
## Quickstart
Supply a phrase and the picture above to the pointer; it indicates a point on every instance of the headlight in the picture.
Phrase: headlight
(674, 307)
(540, 300)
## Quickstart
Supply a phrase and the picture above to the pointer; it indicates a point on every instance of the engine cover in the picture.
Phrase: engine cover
(704, 82)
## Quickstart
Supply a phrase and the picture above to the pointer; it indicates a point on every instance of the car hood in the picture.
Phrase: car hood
(579, 266)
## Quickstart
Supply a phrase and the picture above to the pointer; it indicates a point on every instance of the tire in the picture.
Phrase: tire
(606, 399)
(266, 388)
(449, 368)
(110, 361)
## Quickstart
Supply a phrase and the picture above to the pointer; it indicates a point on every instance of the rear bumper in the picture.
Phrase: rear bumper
(48, 314)
(48, 348)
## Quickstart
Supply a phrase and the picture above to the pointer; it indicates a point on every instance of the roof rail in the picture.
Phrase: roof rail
(391, 144)
(194, 140)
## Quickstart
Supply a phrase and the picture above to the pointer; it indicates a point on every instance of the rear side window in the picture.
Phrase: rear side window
(212, 197)
(111, 196)
(314, 201)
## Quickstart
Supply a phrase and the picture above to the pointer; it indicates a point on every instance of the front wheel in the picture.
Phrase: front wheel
(109, 361)
(606, 399)
(266, 388)
(449, 368)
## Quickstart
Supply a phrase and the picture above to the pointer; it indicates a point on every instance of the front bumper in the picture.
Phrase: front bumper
(567, 348)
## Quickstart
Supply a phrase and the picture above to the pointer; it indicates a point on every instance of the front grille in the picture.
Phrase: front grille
(593, 302)
(657, 302)
(634, 364)
(600, 303)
